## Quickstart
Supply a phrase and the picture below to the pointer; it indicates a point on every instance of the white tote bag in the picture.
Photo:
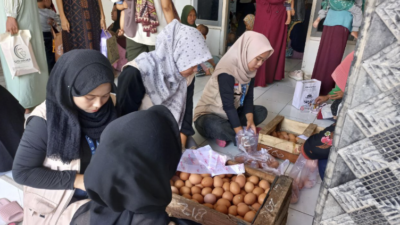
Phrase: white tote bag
(18, 52)
(306, 92)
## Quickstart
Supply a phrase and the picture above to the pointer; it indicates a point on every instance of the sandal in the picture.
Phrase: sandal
(10, 212)
(221, 143)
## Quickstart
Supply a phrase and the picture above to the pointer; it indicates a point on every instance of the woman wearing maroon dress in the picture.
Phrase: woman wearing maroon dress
(270, 21)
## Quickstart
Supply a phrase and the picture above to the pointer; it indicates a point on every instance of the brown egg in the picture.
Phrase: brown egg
(210, 198)
(243, 192)
(250, 199)
(227, 195)
(200, 186)
(218, 192)
(237, 199)
(249, 187)
(242, 203)
(240, 159)
(292, 138)
(207, 182)
(249, 216)
(179, 183)
(223, 202)
(266, 190)
(274, 164)
(184, 176)
(256, 206)
(258, 191)
(195, 179)
(198, 197)
(264, 184)
(285, 135)
(226, 180)
(222, 209)
(188, 184)
(240, 217)
(242, 209)
(226, 186)
(218, 181)
(229, 175)
(234, 188)
(233, 210)
(174, 190)
(205, 191)
(175, 178)
(233, 178)
(261, 198)
(221, 176)
(241, 180)
(209, 205)
(184, 190)
(195, 190)
(205, 175)
(177, 173)
(195, 200)
(254, 180)
(187, 196)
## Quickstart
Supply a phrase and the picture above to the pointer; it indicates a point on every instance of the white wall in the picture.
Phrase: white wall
(312, 45)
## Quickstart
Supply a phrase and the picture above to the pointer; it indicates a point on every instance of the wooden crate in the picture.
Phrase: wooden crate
(274, 211)
(283, 149)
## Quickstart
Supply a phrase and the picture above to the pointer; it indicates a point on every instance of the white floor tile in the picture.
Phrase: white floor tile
(197, 137)
(287, 82)
(10, 192)
(283, 88)
(307, 200)
(298, 218)
(270, 117)
(293, 64)
(274, 107)
(277, 96)
(200, 83)
(291, 112)
(323, 123)
(258, 91)
(196, 98)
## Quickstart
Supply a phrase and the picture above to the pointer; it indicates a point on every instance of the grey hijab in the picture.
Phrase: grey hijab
(178, 48)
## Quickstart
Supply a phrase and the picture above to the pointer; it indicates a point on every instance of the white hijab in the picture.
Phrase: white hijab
(178, 48)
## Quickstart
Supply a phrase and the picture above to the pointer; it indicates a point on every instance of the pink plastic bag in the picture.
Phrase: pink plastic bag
(304, 174)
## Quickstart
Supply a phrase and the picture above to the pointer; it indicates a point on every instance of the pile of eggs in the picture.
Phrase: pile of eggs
(239, 196)
(285, 136)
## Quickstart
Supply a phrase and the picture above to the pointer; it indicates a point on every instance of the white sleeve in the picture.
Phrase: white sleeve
(356, 11)
(12, 7)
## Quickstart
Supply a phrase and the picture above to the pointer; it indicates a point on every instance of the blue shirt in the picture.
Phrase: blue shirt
(339, 18)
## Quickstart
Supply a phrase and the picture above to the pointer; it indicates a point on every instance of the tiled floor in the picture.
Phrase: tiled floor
(277, 98)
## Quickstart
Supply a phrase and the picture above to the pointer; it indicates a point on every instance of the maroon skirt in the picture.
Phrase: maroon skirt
(330, 54)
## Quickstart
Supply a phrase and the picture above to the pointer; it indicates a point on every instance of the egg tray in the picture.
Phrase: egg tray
(273, 211)
(283, 149)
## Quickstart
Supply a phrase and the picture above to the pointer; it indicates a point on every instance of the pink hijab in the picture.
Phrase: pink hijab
(250, 45)
(341, 72)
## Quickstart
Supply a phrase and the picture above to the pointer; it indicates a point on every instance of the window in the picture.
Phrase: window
(209, 12)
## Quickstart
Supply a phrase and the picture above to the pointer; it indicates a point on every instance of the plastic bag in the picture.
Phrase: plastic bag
(304, 174)
(205, 160)
(247, 140)
(17, 50)
(262, 160)
(103, 42)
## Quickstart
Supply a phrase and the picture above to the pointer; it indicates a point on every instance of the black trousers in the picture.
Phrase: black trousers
(48, 46)
(213, 126)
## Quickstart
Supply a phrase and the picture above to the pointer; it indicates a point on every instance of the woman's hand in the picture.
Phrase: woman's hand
(321, 99)
(12, 25)
(64, 24)
(316, 22)
(354, 34)
(337, 95)
(250, 122)
(79, 182)
(103, 23)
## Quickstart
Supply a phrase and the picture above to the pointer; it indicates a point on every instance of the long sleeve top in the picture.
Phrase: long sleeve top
(28, 166)
(226, 85)
(342, 18)
(12, 7)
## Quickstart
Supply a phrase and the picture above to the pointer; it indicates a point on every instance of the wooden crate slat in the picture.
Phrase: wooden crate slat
(278, 143)
(272, 125)
(273, 211)
(308, 132)
(256, 172)
(279, 154)
(293, 126)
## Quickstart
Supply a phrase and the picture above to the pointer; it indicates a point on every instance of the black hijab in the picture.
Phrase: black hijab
(128, 177)
(76, 73)
(11, 128)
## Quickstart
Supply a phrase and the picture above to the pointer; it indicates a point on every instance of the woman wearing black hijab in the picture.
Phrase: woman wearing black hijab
(62, 134)
(134, 188)
(11, 128)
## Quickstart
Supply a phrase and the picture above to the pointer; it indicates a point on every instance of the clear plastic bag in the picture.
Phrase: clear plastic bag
(304, 173)
(247, 140)
(262, 160)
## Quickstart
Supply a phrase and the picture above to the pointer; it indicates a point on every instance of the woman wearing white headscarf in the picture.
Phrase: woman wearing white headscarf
(165, 76)
(227, 101)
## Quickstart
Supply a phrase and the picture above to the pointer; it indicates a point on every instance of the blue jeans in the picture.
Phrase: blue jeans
(322, 167)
